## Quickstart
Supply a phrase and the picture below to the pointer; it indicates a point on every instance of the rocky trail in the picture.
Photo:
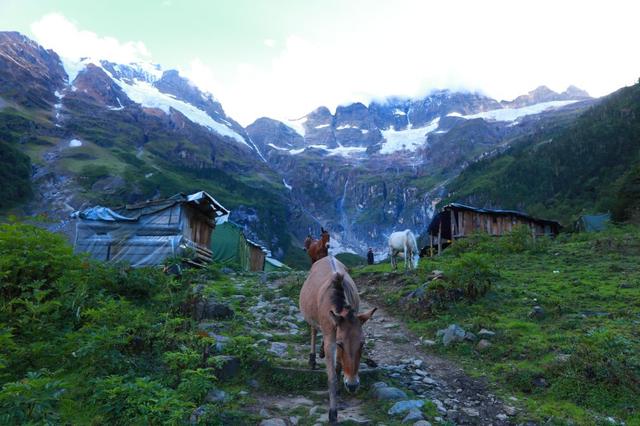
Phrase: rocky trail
(418, 387)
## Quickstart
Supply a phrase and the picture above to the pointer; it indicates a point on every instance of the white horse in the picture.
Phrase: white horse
(403, 243)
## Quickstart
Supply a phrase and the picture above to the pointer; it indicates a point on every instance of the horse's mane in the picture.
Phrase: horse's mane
(342, 296)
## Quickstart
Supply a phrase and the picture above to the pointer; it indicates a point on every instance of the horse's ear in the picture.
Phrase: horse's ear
(365, 316)
(321, 230)
(337, 319)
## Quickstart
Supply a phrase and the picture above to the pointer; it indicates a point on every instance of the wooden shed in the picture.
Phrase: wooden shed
(147, 233)
(458, 221)
(257, 256)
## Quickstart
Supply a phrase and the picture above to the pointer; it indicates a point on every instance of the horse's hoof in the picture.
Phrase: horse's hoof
(312, 361)
(333, 416)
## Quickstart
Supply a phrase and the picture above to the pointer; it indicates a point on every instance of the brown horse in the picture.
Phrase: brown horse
(317, 249)
(329, 301)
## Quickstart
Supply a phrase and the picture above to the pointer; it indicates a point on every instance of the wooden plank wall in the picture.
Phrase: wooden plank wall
(466, 222)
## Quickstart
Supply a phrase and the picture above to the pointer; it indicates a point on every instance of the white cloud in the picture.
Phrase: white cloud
(503, 49)
(405, 47)
(55, 31)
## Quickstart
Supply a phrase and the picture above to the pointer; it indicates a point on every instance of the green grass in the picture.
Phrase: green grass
(586, 347)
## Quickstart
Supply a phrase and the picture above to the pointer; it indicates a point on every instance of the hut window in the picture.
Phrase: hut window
(495, 219)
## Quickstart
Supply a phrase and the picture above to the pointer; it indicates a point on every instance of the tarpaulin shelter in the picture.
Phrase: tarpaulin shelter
(147, 233)
(274, 265)
(458, 221)
(593, 222)
(232, 246)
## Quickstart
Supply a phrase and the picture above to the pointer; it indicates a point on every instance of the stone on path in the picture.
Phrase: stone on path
(387, 393)
(273, 422)
(414, 415)
(278, 348)
(422, 423)
(402, 406)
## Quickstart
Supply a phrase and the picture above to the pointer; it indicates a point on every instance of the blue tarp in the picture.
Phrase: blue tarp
(102, 213)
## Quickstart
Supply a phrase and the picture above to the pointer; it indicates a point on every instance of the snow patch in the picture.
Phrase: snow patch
(322, 126)
(286, 185)
(297, 125)
(408, 139)
(344, 151)
(512, 114)
(398, 111)
(279, 148)
(74, 143)
(148, 96)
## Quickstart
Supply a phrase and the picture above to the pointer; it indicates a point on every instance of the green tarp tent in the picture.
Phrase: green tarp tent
(229, 245)
(274, 265)
(593, 223)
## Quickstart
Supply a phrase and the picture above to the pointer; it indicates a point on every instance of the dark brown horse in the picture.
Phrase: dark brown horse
(317, 249)
(329, 302)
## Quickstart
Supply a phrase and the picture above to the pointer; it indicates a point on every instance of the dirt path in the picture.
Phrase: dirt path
(402, 362)
(459, 398)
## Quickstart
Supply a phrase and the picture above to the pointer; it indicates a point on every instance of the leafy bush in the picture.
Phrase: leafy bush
(472, 273)
(127, 400)
(35, 398)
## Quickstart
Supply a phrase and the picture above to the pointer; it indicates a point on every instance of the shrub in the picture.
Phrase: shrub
(472, 273)
(29, 254)
(125, 400)
(34, 399)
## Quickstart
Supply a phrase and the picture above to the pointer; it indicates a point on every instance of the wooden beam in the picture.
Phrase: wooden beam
(440, 237)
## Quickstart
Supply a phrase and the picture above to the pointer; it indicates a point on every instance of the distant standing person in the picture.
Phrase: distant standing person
(370, 256)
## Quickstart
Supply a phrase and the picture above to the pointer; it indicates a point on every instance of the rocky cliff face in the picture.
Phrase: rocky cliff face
(366, 171)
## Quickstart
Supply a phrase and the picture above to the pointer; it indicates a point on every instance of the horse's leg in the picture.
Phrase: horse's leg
(332, 377)
(312, 355)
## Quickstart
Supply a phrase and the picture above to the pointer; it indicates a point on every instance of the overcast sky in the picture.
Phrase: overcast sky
(283, 58)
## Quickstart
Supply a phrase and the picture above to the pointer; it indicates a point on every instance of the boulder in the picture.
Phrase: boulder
(229, 367)
(452, 334)
(212, 309)
(401, 407)
(537, 313)
(273, 422)
(413, 415)
(483, 344)
(484, 333)
(215, 395)
(388, 393)
(196, 414)
(279, 349)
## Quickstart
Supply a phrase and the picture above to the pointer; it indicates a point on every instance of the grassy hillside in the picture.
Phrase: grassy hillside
(129, 157)
(560, 174)
(578, 362)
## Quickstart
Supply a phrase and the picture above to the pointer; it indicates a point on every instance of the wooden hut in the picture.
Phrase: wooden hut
(257, 256)
(458, 221)
(147, 233)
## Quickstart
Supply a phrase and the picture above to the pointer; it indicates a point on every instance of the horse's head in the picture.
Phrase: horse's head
(307, 242)
(324, 238)
(350, 342)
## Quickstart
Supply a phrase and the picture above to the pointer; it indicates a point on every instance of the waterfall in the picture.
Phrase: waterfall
(344, 219)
